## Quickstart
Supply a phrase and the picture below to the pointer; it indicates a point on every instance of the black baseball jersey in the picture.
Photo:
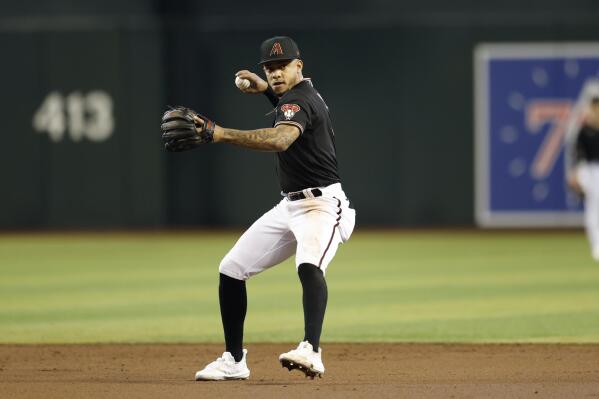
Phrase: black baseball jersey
(587, 144)
(311, 161)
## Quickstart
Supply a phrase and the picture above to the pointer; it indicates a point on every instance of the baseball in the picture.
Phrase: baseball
(242, 83)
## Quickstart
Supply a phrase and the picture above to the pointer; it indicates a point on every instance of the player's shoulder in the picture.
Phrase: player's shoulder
(301, 94)
(588, 130)
(298, 92)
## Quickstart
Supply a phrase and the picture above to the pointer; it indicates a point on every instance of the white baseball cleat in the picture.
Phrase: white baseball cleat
(595, 253)
(304, 359)
(225, 368)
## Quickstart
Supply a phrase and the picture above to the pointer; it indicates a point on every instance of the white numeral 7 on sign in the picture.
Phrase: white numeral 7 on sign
(539, 113)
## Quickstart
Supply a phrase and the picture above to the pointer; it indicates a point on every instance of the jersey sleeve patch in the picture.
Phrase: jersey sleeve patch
(289, 110)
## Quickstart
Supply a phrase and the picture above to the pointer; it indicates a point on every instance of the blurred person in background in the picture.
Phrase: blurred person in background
(583, 175)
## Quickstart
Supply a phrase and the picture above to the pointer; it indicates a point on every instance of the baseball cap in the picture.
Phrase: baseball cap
(278, 48)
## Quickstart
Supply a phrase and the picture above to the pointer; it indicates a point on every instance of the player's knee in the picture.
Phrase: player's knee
(233, 269)
(309, 270)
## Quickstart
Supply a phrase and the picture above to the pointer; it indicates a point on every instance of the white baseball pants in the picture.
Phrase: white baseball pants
(311, 228)
(588, 176)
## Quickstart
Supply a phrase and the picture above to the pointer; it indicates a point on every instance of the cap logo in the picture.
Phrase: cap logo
(289, 110)
(276, 49)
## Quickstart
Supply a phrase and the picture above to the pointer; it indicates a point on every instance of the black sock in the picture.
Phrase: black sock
(315, 295)
(233, 306)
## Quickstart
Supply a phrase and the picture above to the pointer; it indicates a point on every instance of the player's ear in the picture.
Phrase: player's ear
(300, 65)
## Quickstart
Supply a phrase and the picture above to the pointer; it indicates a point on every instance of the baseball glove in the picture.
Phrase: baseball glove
(181, 130)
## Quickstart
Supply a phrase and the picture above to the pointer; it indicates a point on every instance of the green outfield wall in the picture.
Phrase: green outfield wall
(84, 85)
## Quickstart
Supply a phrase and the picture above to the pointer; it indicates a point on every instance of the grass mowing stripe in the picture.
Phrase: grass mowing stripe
(480, 329)
(406, 286)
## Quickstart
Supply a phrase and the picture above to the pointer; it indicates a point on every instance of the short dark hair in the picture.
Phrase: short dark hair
(595, 100)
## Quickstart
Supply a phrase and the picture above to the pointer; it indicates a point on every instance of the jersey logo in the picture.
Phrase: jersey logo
(289, 110)
(276, 49)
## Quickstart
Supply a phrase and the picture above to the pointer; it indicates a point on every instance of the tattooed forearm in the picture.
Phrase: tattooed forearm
(268, 139)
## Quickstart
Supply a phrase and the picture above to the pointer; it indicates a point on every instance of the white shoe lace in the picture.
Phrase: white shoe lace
(217, 363)
(305, 345)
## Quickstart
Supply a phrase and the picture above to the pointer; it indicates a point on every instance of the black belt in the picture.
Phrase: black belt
(299, 195)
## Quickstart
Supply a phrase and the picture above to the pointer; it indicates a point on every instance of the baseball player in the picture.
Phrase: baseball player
(584, 175)
(312, 218)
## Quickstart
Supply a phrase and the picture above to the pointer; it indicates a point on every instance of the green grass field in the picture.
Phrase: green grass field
(423, 286)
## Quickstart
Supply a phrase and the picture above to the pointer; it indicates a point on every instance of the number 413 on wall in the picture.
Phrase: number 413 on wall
(87, 116)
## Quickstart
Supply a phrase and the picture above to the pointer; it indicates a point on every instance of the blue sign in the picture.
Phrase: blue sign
(529, 103)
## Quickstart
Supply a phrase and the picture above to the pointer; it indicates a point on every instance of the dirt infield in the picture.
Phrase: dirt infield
(353, 371)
